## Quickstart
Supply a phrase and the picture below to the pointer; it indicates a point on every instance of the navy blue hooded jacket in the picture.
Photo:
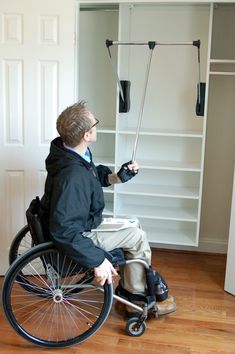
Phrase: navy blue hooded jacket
(73, 203)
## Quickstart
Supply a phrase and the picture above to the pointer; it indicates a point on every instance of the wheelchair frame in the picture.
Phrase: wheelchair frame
(25, 289)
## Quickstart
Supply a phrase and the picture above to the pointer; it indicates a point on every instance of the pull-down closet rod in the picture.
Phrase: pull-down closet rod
(195, 43)
(151, 45)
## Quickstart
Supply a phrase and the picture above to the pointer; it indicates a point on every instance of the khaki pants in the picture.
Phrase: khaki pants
(134, 243)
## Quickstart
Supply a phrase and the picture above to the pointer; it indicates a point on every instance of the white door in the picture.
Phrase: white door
(230, 268)
(36, 83)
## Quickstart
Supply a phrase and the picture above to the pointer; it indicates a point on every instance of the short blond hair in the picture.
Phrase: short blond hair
(73, 122)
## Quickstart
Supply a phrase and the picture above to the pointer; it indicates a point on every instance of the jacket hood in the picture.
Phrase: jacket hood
(60, 158)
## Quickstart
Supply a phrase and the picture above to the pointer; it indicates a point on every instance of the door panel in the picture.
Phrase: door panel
(37, 82)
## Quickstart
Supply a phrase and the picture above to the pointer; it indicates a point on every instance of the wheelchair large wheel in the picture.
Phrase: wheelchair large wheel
(21, 243)
(59, 307)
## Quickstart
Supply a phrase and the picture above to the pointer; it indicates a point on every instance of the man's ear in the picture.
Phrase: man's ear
(86, 137)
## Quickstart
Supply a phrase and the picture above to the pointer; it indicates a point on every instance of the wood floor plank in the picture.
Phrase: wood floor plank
(204, 322)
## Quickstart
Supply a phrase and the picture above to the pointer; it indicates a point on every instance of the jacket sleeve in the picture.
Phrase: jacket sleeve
(103, 172)
(69, 208)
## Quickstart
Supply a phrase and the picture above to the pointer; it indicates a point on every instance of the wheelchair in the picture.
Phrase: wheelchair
(54, 302)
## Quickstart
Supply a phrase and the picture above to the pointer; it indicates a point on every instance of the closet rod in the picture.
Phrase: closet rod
(109, 43)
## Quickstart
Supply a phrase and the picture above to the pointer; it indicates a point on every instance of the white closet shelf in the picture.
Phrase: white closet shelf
(107, 161)
(222, 61)
(108, 210)
(169, 165)
(108, 190)
(223, 73)
(164, 132)
(156, 190)
(172, 237)
(159, 213)
(222, 67)
(106, 130)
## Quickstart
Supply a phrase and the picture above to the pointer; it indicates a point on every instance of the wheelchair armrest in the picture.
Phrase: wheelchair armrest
(116, 256)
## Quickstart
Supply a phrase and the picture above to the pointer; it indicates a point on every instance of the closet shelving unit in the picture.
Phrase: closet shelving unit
(166, 195)
(221, 122)
(222, 59)
(222, 67)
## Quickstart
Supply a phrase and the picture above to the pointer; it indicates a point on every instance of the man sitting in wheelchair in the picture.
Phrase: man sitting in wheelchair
(72, 207)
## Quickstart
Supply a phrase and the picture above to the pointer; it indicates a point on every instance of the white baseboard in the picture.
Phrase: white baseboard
(3, 270)
(205, 245)
(213, 246)
(4, 265)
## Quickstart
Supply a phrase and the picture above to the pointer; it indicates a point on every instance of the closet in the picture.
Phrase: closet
(167, 193)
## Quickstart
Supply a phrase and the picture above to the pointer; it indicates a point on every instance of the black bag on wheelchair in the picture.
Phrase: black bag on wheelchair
(161, 287)
(156, 284)
(34, 222)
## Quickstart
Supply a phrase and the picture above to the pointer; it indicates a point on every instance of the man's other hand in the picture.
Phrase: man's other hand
(105, 271)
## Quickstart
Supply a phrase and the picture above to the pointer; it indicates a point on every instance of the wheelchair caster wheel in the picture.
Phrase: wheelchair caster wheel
(134, 328)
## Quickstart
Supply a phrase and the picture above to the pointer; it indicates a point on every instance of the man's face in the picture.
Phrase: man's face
(92, 131)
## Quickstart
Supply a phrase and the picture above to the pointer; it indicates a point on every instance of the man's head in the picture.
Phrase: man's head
(76, 124)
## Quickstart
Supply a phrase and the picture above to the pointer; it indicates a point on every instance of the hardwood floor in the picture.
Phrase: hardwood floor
(203, 323)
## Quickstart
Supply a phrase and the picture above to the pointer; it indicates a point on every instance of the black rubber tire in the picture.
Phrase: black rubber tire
(21, 243)
(132, 330)
(19, 304)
